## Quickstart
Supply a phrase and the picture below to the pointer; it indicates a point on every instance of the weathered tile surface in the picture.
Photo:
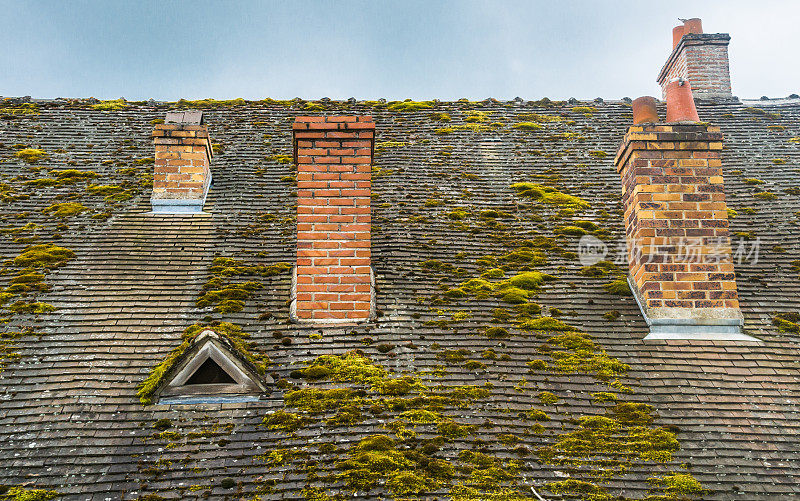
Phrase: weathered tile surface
(69, 415)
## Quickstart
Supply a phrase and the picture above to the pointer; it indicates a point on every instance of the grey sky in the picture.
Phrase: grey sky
(370, 49)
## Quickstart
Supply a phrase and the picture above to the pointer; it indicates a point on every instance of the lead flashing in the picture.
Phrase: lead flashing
(712, 329)
(181, 205)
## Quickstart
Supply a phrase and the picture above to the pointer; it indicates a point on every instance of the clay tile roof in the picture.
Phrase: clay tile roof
(107, 291)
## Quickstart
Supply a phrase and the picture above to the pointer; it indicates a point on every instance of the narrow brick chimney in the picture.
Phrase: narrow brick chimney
(700, 58)
(182, 163)
(333, 277)
(676, 223)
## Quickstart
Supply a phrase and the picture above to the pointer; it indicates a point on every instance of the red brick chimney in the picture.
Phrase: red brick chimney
(182, 163)
(700, 58)
(333, 278)
(676, 224)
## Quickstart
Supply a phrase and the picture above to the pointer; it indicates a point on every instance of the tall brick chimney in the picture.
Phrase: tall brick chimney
(333, 277)
(700, 58)
(182, 163)
(676, 223)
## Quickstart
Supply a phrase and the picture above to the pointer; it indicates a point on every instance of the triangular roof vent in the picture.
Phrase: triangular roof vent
(211, 370)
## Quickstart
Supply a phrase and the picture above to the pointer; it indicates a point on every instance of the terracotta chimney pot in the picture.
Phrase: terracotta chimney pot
(693, 26)
(644, 110)
(680, 102)
(677, 34)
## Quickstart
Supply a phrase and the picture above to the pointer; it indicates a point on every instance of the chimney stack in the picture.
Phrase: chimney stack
(700, 58)
(333, 278)
(182, 163)
(676, 223)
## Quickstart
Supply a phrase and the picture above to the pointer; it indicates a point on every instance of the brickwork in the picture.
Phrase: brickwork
(676, 221)
(702, 59)
(334, 161)
(182, 162)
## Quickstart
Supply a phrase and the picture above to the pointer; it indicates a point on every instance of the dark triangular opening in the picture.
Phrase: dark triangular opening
(210, 373)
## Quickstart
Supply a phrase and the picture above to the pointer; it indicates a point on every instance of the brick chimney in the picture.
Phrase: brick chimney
(333, 277)
(700, 58)
(182, 163)
(676, 223)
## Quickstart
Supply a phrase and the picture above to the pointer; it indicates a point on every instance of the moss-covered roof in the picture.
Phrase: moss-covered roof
(499, 366)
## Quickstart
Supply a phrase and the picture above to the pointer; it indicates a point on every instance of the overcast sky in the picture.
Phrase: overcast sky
(371, 49)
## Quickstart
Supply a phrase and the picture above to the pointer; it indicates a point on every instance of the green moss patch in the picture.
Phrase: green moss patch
(763, 113)
(766, 195)
(603, 446)
(44, 256)
(36, 262)
(65, 210)
(67, 176)
(677, 486)
(111, 105)
(21, 110)
(19, 493)
(226, 296)
(787, 322)
(618, 287)
(546, 324)
(391, 454)
(516, 289)
(539, 118)
(211, 103)
(548, 195)
(103, 189)
(31, 155)
(409, 105)
(8, 341)
(530, 126)
(600, 269)
(575, 352)
(584, 109)
(35, 308)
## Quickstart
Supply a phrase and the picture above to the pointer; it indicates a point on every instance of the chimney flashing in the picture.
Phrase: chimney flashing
(182, 171)
(699, 329)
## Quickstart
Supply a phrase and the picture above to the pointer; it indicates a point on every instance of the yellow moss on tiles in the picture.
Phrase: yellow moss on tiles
(64, 210)
(111, 105)
(19, 493)
(548, 195)
(19, 110)
(527, 126)
(31, 155)
(209, 103)
(409, 105)
(44, 256)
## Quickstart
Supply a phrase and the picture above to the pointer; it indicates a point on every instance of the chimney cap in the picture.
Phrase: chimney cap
(184, 117)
